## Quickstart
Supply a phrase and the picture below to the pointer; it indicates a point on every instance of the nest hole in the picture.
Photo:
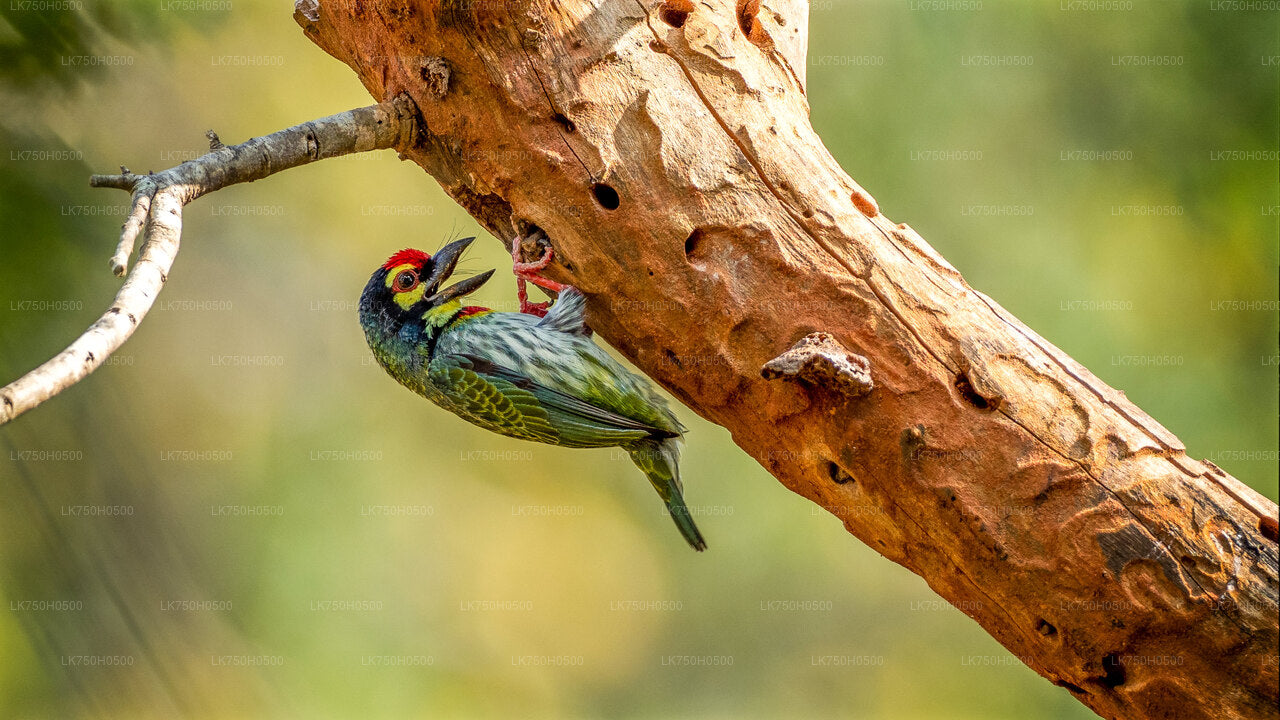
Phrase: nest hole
(837, 475)
(1269, 528)
(973, 397)
(1113, 672)
(675, 12)
(606, 196)
(692, 244)
(749, 21)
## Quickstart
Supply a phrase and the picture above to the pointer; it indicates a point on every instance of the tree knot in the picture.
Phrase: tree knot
(819, 359)
(434, 72)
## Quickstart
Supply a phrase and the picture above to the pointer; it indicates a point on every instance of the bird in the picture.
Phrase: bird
(533, 375)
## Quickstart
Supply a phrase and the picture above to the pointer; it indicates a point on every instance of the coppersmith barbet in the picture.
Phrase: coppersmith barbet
(517, 374)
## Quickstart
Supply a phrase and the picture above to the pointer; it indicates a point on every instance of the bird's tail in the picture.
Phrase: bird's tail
(660, 461)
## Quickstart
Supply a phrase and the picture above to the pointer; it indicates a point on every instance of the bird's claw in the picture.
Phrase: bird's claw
(530, 271)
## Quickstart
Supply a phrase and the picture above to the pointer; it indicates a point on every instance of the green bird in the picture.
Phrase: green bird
(517, 374)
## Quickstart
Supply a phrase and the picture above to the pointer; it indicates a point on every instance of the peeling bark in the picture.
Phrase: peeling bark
(667, 154)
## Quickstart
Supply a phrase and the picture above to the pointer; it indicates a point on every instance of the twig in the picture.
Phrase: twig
(158, 199)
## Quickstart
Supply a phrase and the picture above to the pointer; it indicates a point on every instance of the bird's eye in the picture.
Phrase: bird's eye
(405, 281)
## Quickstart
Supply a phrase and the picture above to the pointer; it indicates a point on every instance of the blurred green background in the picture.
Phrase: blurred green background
(242, 516)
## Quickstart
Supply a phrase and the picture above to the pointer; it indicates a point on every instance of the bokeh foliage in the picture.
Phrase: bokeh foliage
(1149, 254)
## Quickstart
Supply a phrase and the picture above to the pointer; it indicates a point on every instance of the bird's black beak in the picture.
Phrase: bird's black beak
(442, 267)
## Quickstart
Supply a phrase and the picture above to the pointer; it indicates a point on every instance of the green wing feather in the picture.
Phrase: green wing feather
(496, 405)
(508, 402)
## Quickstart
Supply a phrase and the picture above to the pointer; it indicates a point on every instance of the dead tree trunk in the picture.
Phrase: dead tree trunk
(665, 149)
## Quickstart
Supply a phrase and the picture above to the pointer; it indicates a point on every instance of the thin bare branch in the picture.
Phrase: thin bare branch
(143, 190)
(156, 212)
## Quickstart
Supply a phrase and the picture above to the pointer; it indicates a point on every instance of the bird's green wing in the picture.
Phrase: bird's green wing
(510, 402)
(491, 403)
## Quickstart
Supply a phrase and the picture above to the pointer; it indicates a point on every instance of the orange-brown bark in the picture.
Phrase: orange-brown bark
(668, 155)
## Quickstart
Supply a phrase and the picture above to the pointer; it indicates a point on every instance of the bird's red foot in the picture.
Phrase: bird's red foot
(530, 271)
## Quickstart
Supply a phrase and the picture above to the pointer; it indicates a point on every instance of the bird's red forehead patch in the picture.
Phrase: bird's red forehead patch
(407, 255)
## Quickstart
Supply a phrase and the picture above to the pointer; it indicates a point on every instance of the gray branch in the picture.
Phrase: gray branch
(156, 213)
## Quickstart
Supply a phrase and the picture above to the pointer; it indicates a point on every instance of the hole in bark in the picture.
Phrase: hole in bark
(606, 196)
(564, 122)
(1044, 628)
(1113, 671)
(1267, 526)
(749, 21)
(838, 476)
(971, 396)
(675, 12)
(692, 242)
(1072, 687)
(673, 359)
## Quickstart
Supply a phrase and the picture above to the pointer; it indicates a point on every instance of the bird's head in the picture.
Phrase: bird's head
(407, 286)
